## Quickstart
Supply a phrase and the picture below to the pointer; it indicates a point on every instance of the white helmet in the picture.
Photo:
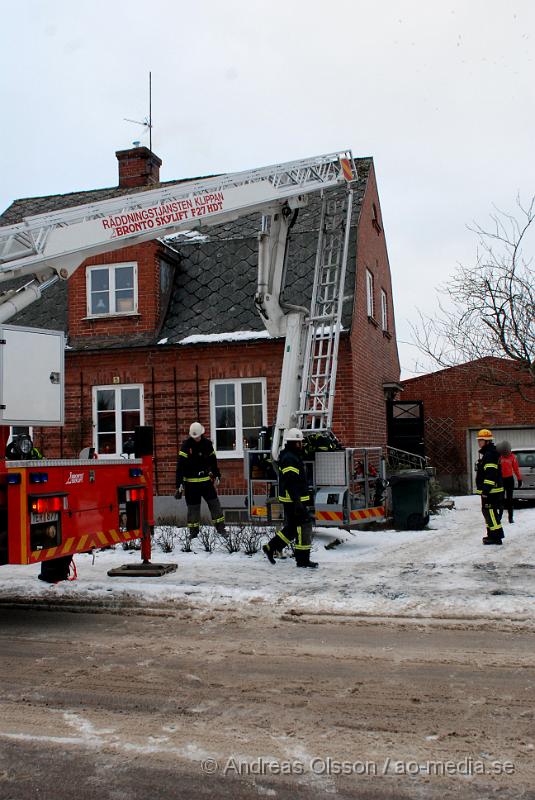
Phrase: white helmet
(294, 435)
(196, 429)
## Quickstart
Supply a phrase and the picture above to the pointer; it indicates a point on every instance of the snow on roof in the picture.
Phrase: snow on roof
(234, 336)
(191, 236)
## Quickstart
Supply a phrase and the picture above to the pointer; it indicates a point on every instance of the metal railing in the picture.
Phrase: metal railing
(397, 460)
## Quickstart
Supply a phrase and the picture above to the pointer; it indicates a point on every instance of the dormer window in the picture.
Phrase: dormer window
(112, 289)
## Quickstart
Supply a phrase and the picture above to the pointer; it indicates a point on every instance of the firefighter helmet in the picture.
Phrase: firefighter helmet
(196, 429)
(294, 435)
(484, 433)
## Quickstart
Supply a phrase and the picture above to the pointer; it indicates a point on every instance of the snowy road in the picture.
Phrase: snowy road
(207, 704)
(403, 653)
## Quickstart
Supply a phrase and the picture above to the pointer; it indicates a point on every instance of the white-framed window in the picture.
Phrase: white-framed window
(117, 410)
(384, 310)
(238, 409)
(112, 289)
(369, 294)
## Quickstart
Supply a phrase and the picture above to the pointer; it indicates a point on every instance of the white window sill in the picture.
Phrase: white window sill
(112, 316)
(226, 455)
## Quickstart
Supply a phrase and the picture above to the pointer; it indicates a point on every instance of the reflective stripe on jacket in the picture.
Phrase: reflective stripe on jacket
(488, 471)
(293, 483)
(196, 462)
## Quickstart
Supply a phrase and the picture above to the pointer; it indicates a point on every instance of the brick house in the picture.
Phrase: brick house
(165, 332)
(459, 401)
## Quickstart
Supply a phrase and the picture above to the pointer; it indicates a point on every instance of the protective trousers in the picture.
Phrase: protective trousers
(195, 491)
(492, 510)
(296, 531)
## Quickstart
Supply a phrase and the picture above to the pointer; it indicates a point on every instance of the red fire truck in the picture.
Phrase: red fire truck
(55, 508)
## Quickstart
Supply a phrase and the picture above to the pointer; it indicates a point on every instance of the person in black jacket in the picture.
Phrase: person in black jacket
(198, 475)
(489, 485)
(293, 494)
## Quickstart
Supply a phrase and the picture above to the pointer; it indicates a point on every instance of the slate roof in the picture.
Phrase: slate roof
(216, 273)
(29, 206)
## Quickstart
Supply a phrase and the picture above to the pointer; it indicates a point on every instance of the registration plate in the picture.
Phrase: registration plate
(47, 516)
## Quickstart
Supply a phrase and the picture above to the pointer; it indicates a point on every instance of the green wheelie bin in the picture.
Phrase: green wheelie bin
(410, 499)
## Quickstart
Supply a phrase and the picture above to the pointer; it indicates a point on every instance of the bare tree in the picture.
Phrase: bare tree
(487, 311)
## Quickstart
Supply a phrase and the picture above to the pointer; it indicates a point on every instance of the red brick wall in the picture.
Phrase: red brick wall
(465, 395)
(194, 367)
(157, 369)
(148, 318)
(185, 372)
(374, 354)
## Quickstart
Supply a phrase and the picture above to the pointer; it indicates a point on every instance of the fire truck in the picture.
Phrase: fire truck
(51, 508)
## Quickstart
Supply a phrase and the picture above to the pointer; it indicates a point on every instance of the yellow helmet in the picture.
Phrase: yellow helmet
(484, 433)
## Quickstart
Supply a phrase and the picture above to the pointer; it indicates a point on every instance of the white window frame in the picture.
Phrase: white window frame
(239, 451)
(118, 410)
(370, 304)
(384, 310)
(111, 289)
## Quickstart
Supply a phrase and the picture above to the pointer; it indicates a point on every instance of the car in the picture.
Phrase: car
(526, 462)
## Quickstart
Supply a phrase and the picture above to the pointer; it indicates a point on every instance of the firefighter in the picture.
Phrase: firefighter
(198, 475)
(293, 494)
(490, 486)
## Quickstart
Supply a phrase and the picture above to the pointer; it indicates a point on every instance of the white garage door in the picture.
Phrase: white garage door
(517, 437)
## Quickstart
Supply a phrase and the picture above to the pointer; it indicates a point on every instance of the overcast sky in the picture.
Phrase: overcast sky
(441, 94)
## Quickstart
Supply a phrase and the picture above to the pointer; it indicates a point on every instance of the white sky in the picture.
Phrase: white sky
(440, 94)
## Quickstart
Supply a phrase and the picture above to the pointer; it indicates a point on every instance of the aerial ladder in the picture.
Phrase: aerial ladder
(50, 247)
(52, 510)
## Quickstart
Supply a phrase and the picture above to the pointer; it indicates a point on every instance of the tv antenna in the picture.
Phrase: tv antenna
(147, 122)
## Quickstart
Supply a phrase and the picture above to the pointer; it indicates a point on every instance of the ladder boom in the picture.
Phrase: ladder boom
(58, 242)
(324, 323)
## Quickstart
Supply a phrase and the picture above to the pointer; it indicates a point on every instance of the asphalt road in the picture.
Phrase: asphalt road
(225, 704)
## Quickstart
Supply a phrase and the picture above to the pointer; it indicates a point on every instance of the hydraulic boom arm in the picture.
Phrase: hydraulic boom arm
(53, 245)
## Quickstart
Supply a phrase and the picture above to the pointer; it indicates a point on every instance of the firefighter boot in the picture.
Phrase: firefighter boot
(271, 548)
(275, 546)
(269, 553)
(302, 559)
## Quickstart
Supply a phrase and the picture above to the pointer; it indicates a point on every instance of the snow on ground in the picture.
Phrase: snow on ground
(441, 571)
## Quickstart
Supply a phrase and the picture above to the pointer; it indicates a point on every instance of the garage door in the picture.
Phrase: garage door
(517, 437)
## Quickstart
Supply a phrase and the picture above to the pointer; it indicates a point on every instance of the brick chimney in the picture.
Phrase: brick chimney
(138, 166)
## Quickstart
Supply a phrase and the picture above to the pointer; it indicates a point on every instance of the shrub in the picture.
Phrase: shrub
(252, 536)
(436, 495)
(165, 538)
(183, 539)
(233, 540)
(207, 537)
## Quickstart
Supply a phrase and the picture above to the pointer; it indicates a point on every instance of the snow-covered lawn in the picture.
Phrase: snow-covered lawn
(442, 571)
